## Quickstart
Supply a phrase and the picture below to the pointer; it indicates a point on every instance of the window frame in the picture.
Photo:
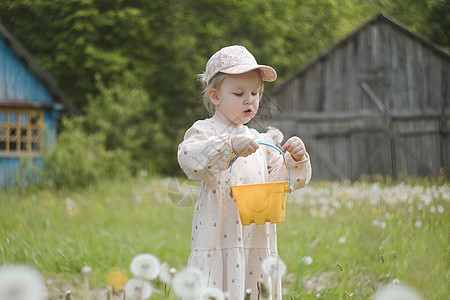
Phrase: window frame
(29, 138)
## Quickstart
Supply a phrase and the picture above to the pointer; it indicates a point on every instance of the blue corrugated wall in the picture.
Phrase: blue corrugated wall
(18, 84)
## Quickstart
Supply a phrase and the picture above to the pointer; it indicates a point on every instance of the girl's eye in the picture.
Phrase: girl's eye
(238, 94)
(254, 94)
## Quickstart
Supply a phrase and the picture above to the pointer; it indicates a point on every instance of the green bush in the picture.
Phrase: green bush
(80, 159)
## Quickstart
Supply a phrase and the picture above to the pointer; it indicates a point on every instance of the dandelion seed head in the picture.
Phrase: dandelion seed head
(212, 293)
(86, 271)
(145, 266)
(189, 283)
(342, 240)
(138, 289)
(273, 267)
(275, 135)
(19, 282)
(418, 224)
(166, 273)
(307, 260)
(440, 209)
(396, 292)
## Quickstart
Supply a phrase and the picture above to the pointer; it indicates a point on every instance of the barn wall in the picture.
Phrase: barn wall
(378, 102)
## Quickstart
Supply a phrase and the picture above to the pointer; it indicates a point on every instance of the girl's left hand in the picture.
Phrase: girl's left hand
(296, 147)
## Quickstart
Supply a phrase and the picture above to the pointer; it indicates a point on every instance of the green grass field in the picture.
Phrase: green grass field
(360, 236)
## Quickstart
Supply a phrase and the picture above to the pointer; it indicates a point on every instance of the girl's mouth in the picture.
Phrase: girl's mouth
(248, 111)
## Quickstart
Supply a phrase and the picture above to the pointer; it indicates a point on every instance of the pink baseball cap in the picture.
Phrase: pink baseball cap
(236, 60)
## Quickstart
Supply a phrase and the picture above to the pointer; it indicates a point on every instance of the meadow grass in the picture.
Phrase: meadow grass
(360, 236)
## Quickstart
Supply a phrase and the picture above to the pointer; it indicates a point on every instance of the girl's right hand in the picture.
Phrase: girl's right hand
(243, 145)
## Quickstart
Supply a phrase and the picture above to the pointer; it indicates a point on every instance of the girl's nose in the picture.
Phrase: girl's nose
(248, 99)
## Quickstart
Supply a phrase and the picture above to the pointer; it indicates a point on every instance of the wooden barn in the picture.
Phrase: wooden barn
(30, 104)
(377, 102)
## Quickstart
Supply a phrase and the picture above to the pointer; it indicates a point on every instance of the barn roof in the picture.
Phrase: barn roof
(22, 53)
(379, 18)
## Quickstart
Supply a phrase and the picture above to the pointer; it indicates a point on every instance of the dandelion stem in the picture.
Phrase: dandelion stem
(313, 244)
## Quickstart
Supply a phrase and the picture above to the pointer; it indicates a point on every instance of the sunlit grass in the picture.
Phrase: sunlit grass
(360, 236)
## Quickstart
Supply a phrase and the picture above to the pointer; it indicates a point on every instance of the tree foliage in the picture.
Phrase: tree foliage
(130, 65)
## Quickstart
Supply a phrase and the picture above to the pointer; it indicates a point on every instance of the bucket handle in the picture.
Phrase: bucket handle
(276, 148)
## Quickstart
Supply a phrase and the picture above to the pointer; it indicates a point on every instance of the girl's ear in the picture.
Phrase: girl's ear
(214, 96)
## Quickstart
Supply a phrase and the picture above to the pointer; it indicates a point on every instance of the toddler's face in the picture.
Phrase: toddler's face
(237, 97)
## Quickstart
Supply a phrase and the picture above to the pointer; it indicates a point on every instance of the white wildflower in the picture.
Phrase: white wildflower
(138, 289)
(342, 240)
(396, 292)
(70, 204)
(418, 224)
(212, 293)
(189, 283)
(86, 271)
(19, 282)
(426, 199)
(440, 209)
(145, 266)
(273, 267)
(307, 260)
(381, 224)
(433, 209)
(166, 273)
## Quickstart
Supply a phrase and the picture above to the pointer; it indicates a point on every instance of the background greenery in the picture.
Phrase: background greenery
(130, 65)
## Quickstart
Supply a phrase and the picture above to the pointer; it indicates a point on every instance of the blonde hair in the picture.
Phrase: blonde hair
(214, 83)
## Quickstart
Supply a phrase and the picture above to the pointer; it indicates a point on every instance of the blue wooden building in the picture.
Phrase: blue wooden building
(30, 105)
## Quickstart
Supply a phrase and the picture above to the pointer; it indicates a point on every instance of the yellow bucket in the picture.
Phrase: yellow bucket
(262, 202)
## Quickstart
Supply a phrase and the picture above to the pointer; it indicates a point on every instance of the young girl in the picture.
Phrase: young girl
(228, 253)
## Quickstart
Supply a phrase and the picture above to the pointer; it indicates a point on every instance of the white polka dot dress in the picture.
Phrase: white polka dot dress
(228, 253)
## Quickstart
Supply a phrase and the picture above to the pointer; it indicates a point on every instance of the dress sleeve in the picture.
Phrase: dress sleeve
(202, 153)
(300, 170)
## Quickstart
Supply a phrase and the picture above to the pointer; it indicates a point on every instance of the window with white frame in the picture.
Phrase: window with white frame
(20, 131)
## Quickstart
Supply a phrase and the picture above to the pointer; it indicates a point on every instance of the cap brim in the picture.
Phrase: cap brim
(267, 73)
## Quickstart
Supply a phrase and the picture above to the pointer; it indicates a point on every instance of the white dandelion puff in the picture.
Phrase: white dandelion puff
(396, 292)
(273, 267)
(275, 136)
(138, 289)
(418, 224)
(342, 240)
(440, 209)
(166, 273)
(380, 224)
(19, 282)
(86, 271)
(70, 204)
(145, 266)
(307, 260)
(189, 283)
(433, 209)
(212, 293)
